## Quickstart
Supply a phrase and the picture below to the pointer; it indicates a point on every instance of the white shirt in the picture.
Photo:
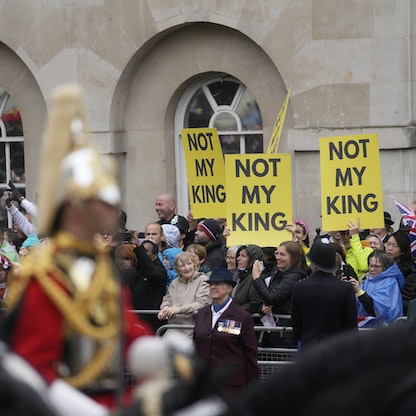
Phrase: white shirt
(216, 315)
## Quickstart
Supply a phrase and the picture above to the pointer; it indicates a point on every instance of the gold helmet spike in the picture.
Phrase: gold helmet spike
(70, 169)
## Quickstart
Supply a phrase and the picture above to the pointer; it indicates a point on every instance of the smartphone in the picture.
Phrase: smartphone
(261, 265)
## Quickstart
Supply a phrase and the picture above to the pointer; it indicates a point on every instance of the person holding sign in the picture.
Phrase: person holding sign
(300, 232)
(165, 207)
(208, 234)
(356, 253)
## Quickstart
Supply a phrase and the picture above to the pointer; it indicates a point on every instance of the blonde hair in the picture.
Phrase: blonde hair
(184, 258)
(199, 250)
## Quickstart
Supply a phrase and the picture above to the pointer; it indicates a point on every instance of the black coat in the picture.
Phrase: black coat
(215, 254)
(280, 289)
(322, 305)
(245, 294)
(148, 285)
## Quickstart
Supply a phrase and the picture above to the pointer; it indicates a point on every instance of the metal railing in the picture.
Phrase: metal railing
(270, 359)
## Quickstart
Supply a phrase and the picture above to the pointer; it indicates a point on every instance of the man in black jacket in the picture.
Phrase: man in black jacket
(322, 305)
(208, 234)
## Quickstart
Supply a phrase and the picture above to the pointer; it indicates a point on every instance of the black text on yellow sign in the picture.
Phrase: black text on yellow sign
(206, 172)
(256, 209)
(350, 180)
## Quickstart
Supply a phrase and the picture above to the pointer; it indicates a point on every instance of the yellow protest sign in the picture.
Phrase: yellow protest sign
(351, 182)
(206, 172)
(259, 198)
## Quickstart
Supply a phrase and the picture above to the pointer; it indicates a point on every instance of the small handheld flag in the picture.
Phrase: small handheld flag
(408, 217)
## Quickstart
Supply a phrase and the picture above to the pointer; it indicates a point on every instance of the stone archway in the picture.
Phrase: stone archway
(17, 79)
(150, 90)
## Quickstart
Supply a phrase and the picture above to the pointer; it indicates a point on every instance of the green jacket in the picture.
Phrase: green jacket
(357, 256)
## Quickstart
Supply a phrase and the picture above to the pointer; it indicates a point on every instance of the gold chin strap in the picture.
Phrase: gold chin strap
(93, 312)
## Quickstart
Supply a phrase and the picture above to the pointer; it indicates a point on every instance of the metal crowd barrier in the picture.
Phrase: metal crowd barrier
(270, 359)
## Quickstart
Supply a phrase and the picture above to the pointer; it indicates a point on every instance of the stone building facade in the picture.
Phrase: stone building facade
(350, 63)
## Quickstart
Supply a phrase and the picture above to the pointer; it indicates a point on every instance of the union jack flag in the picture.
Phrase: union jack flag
(408, 217)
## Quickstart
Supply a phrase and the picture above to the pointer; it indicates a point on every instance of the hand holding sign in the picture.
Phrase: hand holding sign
(354, 227)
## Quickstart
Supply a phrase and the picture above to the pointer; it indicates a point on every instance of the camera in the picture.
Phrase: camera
(126, 237)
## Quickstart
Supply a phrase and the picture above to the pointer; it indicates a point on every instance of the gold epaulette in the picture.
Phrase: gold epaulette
(94, 313)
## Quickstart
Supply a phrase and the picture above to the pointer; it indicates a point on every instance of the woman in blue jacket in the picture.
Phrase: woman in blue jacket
(379, 294)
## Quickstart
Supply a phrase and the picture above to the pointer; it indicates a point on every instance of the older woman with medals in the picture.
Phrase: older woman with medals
(224, 334)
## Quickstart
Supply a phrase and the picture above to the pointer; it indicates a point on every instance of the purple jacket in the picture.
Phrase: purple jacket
(231, 344)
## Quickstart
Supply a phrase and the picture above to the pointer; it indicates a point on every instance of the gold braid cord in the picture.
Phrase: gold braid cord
(103, 294)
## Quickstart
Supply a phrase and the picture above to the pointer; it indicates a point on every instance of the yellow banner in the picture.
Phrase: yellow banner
(206, 172)
(278, 126)
(351, 182)
(259, 198)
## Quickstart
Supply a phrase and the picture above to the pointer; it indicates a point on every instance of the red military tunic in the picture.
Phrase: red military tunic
(52, 310)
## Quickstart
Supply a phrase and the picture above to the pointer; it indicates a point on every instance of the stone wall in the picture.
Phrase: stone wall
(350, 64)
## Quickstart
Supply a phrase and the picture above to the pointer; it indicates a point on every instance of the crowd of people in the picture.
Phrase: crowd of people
(377, 264)
(166, 266)
(78, 288)
(368, 278)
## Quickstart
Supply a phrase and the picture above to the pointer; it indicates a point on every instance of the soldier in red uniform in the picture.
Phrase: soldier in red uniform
(67, 316)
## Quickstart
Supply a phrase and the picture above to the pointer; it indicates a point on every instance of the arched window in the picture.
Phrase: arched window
(12, 159)
(223, 102)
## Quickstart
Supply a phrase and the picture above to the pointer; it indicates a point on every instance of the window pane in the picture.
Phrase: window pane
(17, 162)
(199, 111)
(10, 115)
(230, 144)
(254, 143)
(249, 112)
(223, 91)
(225, 121)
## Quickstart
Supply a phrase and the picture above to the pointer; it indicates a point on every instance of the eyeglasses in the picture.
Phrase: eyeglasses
(375, 266)
(391, 245)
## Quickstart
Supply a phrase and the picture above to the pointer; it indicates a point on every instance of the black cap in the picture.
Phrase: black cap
(221, 275)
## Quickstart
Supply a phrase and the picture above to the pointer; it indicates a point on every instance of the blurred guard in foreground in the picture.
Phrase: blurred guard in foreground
(64, 314)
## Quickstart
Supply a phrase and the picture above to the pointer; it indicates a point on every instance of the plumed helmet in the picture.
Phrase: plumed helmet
(71, 169)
